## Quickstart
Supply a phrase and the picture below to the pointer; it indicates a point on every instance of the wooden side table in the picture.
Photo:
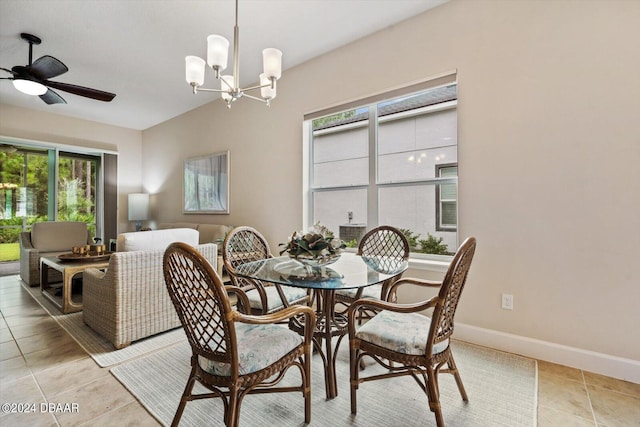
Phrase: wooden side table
(68, 270)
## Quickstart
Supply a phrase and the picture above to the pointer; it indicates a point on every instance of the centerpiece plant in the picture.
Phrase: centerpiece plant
(318, 244)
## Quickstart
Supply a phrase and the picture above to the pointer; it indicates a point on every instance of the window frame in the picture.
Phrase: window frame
(105, 195)
(439, 200)
(373, 186)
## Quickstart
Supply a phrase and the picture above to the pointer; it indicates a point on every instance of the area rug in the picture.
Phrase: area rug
(101, 350)
(502, 390)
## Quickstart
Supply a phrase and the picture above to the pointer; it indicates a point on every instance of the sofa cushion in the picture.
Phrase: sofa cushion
(212, 233)
(167, 225)
(58, 236)
(157, 239)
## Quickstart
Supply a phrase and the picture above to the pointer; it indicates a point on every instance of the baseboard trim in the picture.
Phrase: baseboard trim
(600, 363)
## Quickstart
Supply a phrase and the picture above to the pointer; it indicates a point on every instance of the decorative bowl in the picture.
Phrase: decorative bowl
(311, 261)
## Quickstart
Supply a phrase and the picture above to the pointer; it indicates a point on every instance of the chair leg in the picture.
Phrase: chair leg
(233, 416)
(433, 396)
(307, 384)
(454, 370)
(183, 400)
(354, 368)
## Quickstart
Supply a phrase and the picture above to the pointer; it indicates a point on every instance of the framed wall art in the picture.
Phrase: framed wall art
(206, 184)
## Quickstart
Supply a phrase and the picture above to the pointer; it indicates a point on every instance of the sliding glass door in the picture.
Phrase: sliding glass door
(77, 185)
(44, 185)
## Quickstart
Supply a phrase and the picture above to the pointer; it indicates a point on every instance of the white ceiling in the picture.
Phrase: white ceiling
(136, 48)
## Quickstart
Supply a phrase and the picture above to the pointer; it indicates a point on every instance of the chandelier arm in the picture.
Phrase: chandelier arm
(256, 87)
(203, 89)
(229, 87)
(256, 98)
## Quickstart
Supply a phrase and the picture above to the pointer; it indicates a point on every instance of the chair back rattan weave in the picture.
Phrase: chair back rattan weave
(202, 304)
(449, 295)
(243, 244)
(389, 245)
(384, 241)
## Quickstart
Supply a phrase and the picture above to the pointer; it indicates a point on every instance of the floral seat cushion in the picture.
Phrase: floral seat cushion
(400, 332)
(273, 299)
(373, 291)
(258, 347)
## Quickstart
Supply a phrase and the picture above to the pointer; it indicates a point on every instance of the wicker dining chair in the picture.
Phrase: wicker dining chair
(245, 244)
(412, 343)
(233, 354)
(383, 242)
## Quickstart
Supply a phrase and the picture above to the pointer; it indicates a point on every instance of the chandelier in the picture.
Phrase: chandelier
(217, 55)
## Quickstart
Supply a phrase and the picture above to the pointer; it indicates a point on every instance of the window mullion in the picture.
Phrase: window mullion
(372, 189)
(52, 185)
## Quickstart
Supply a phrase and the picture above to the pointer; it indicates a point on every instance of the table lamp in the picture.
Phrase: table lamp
(138, 208)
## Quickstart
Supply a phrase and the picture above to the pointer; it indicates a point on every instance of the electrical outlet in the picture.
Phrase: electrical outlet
(507, 301)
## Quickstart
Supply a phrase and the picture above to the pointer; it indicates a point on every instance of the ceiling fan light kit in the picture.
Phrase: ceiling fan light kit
(33, 79)
(217, 58)
(29, 87)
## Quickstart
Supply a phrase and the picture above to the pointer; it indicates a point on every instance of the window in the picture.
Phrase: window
(392, 161)
(43, 183)
(447, 199)
(77, 186)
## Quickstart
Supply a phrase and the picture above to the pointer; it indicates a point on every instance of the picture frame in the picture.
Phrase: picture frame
(206, 184)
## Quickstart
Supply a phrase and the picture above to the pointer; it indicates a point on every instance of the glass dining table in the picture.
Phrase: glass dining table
(350, 271)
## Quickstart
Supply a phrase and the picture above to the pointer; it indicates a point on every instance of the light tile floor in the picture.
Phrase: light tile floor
(40, 362)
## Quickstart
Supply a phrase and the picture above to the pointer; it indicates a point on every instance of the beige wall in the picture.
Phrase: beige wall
(53, 128)
(549, 155)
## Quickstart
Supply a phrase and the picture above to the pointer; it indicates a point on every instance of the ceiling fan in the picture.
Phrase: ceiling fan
(33, 79)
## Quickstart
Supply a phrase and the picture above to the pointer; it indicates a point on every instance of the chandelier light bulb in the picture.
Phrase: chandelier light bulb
(267, 92)
(217, 52)
(272, 62)
(227, 85)
(194, 70)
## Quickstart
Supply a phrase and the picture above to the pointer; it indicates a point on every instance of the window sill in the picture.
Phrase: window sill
(424, 264)
(429, 265)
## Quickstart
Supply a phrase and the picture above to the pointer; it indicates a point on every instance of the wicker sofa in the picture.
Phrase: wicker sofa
(48, 238)
(129, 301)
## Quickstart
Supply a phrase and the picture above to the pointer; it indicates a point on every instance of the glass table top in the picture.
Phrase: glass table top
(349, 271)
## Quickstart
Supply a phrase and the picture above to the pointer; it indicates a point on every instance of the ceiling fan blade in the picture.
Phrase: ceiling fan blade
(81, 91)
(47, 67)
(8, 71)
(51, 97)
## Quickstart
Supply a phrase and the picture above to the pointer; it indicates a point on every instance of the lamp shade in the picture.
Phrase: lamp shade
(138, 207)
(272, 62)
(267, 92)
(29, 87)
(226, 84)
(217, 51)
(194, 70)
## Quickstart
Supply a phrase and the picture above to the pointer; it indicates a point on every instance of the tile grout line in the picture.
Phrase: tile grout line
(586, 388)
(35, 380)
(31, 374)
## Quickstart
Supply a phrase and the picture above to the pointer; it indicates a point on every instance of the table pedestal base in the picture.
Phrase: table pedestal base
(329, 324)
